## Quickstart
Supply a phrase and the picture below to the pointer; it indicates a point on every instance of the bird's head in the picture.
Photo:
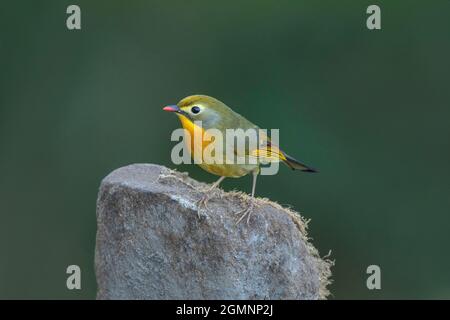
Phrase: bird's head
(208, 110)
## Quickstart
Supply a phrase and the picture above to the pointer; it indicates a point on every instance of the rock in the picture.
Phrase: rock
(152, 244)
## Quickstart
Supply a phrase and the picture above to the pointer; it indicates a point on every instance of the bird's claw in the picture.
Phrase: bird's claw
(202, 202)
(246, 212)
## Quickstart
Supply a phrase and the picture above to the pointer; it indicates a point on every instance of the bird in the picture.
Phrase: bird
(200, 113)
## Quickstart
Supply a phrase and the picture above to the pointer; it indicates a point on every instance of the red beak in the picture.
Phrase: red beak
(171, 108)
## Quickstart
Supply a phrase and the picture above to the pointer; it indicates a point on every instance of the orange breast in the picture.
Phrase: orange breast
(199, 143)
(198, 137)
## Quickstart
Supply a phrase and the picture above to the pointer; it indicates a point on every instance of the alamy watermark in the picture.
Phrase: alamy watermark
(251, 147)
(373, 21)
(374, 280)
(73, 281)
(73, 21)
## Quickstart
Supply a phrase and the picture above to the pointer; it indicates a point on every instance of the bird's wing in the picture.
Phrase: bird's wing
(266, 150)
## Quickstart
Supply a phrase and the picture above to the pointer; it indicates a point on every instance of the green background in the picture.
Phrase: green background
(369, 109)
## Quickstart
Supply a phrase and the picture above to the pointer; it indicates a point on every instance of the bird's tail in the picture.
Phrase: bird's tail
(295, 164)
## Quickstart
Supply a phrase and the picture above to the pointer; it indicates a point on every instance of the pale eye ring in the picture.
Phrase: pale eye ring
(195, 109)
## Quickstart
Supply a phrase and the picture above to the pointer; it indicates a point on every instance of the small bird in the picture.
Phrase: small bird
(214, 114)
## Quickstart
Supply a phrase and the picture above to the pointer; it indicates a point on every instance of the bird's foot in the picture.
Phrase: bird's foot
(202, 203)
(247, 211)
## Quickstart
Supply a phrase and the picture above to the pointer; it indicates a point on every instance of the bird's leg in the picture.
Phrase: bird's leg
(205, 198)
(248, 211)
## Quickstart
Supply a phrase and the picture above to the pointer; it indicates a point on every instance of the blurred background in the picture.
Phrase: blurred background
(369, 109)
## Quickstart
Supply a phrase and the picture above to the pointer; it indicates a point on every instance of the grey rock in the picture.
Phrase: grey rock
(152, 243)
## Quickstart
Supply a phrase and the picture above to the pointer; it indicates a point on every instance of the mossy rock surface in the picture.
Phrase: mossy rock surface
(153, 242)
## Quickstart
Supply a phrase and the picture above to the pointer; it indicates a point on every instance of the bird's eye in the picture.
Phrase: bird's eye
(195, 109)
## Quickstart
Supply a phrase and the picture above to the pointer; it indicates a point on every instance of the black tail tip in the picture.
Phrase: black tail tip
(310, 170)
